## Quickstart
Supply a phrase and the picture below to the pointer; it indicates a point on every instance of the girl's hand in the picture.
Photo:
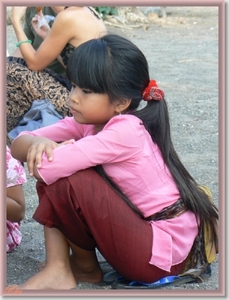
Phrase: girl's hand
(40, 25)
(18, 13)
(36, 150)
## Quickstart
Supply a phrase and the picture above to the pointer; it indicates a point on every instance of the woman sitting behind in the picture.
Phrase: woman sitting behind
(27, 79)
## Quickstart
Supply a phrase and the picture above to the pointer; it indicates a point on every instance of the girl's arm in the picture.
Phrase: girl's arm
(27, 148)
(50, 48)
(15, 203)
(63, 130)
(20, 147)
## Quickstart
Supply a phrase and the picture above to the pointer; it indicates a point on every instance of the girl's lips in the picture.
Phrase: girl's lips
(73, 111)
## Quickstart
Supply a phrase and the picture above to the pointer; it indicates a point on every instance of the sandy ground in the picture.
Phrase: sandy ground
(182, 52)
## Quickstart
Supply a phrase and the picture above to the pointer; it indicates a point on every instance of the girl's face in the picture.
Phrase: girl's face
(88, 107)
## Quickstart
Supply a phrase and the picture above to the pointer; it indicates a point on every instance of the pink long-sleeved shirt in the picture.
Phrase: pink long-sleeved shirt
(125, 150)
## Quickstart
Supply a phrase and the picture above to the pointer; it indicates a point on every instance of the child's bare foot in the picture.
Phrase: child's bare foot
(93, 276)
(84, 272)
(51, 277)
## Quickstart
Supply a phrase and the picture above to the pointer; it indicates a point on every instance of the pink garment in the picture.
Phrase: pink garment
(125, 150)
(15, 175)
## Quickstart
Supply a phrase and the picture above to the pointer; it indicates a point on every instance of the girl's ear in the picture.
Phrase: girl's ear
(121, 105)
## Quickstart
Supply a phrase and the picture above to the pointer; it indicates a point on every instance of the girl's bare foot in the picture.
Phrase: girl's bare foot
(94, 275)
(51, 277)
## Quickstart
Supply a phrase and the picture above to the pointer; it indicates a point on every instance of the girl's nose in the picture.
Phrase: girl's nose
(73, 96)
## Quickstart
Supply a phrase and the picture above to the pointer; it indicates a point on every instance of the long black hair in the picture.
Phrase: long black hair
(113, 65)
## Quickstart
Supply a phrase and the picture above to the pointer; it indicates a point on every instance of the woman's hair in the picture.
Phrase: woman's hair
(113, 65)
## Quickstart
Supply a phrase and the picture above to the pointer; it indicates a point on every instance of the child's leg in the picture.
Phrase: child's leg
(85, 265)
(91, 214)
(57, 273)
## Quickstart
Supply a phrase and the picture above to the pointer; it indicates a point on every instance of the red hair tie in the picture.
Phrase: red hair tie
(152, 92)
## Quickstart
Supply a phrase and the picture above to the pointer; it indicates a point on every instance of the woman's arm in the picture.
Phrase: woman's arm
(15, 203)
(50, 48)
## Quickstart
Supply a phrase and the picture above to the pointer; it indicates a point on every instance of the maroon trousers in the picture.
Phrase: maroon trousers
(90, 214)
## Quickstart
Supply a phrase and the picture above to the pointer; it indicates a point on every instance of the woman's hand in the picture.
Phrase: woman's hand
(18, 13)
(36, 150)
(40, 25)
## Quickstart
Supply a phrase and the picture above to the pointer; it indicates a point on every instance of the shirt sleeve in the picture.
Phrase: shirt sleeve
(62, 130)
(111, 145)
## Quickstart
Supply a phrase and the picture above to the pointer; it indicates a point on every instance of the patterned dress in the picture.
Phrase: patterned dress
(15, 175)
(23, 86)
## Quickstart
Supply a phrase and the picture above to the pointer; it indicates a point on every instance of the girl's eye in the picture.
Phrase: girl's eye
(87, 91)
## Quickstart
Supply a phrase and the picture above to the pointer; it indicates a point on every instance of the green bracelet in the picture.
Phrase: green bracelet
(22, 42)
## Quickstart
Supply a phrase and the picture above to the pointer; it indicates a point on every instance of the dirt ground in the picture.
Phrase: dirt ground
(182, 51)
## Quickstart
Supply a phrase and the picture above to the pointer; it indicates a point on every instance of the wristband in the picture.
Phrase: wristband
(22, 42)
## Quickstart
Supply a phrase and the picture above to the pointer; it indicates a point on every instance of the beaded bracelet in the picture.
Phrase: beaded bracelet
(22, 42)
